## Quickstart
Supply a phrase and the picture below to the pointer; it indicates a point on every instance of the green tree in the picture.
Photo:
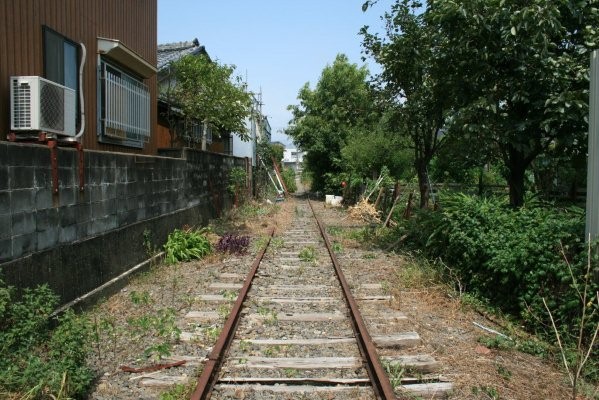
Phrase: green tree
(517, 75)
(366, 153)
(409, 83)
(340, 104)
(206, 91)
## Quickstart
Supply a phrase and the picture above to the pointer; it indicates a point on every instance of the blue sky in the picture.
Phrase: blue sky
(278, 44)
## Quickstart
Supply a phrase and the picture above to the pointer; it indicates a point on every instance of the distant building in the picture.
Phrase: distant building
(293, 158)
(258, 129)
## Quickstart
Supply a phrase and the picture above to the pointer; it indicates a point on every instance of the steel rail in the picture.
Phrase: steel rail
(209, 374)
(380, 381)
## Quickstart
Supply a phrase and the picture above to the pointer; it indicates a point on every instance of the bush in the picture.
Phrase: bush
(288, 175)
(186, 245)
(35, 359)
(237, 184)
(511, 257)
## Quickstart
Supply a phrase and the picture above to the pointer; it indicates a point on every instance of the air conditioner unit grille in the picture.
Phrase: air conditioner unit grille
(51, 107)
(21, 112)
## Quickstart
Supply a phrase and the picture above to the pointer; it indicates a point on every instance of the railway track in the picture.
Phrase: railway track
(296, 331)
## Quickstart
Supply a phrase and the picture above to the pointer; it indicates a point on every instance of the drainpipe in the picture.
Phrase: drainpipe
(81, 101)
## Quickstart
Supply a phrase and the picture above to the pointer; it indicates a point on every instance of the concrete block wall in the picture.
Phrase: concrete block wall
(123, 193)
(25, 197)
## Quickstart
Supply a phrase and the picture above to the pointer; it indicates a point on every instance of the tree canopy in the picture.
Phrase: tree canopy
(207, 91)
(505, 78)
(340, 105)
(517, 75)
(409, 83)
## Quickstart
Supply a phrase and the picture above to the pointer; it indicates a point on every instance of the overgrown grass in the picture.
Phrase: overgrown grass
(418, 272)
(42, 355)
(179, 391)
(252, 210)
(366, 235)
(288, 175)
(511, 259)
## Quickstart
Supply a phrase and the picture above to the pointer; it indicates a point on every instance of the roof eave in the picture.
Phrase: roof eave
(117, 51)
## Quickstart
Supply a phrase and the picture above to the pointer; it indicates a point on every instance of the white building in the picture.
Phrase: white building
(293, 158)
(258, 128)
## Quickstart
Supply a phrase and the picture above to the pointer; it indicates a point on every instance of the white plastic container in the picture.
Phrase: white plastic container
(336, 201)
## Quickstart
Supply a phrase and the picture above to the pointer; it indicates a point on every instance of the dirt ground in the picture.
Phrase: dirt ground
(444, 322)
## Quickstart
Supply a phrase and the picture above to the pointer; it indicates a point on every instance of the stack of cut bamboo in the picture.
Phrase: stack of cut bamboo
(363, 210)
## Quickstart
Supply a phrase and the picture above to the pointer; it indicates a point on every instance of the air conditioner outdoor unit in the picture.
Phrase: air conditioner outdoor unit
(37, 104)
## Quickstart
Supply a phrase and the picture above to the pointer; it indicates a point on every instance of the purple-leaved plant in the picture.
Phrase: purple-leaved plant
(233, 244)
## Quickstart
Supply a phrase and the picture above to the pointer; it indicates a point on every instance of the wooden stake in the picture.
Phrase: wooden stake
(396, 198)
(274, 163)
(379, 197)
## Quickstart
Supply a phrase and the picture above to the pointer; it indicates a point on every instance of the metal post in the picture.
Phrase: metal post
(592, 206)
(592, 211)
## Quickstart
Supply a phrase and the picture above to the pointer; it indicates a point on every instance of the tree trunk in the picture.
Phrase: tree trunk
(516, 184)
(481, 188)
(423, 184)
(517, 164)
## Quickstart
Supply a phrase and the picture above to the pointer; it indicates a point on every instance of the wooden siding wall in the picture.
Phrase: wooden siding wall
(133, 22)
(163, 136)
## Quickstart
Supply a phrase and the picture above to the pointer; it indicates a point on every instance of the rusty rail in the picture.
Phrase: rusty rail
(208, 377)
(380, 381)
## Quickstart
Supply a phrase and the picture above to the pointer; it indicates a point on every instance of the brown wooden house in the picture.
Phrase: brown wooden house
(44, 38)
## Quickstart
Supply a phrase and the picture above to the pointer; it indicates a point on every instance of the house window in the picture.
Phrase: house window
(228, 144)
(124, 107)
(60, 59)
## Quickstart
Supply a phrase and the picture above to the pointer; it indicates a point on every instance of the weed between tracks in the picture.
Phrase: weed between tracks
(307, 254)
(269, 315)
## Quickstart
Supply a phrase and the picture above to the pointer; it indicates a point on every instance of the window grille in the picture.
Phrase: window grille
(125, 106)
(228, 144)
(195, 132)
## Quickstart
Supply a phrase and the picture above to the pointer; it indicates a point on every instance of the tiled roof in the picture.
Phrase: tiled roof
(173, 51)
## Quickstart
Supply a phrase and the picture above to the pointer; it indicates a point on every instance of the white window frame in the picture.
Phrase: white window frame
(124, 106)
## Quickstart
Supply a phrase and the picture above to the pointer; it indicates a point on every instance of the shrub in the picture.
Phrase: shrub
(35, 359)
(186, 245)
(234, 244)
(288, 175)
(237, 184)
(514, 259)
(511, 257)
